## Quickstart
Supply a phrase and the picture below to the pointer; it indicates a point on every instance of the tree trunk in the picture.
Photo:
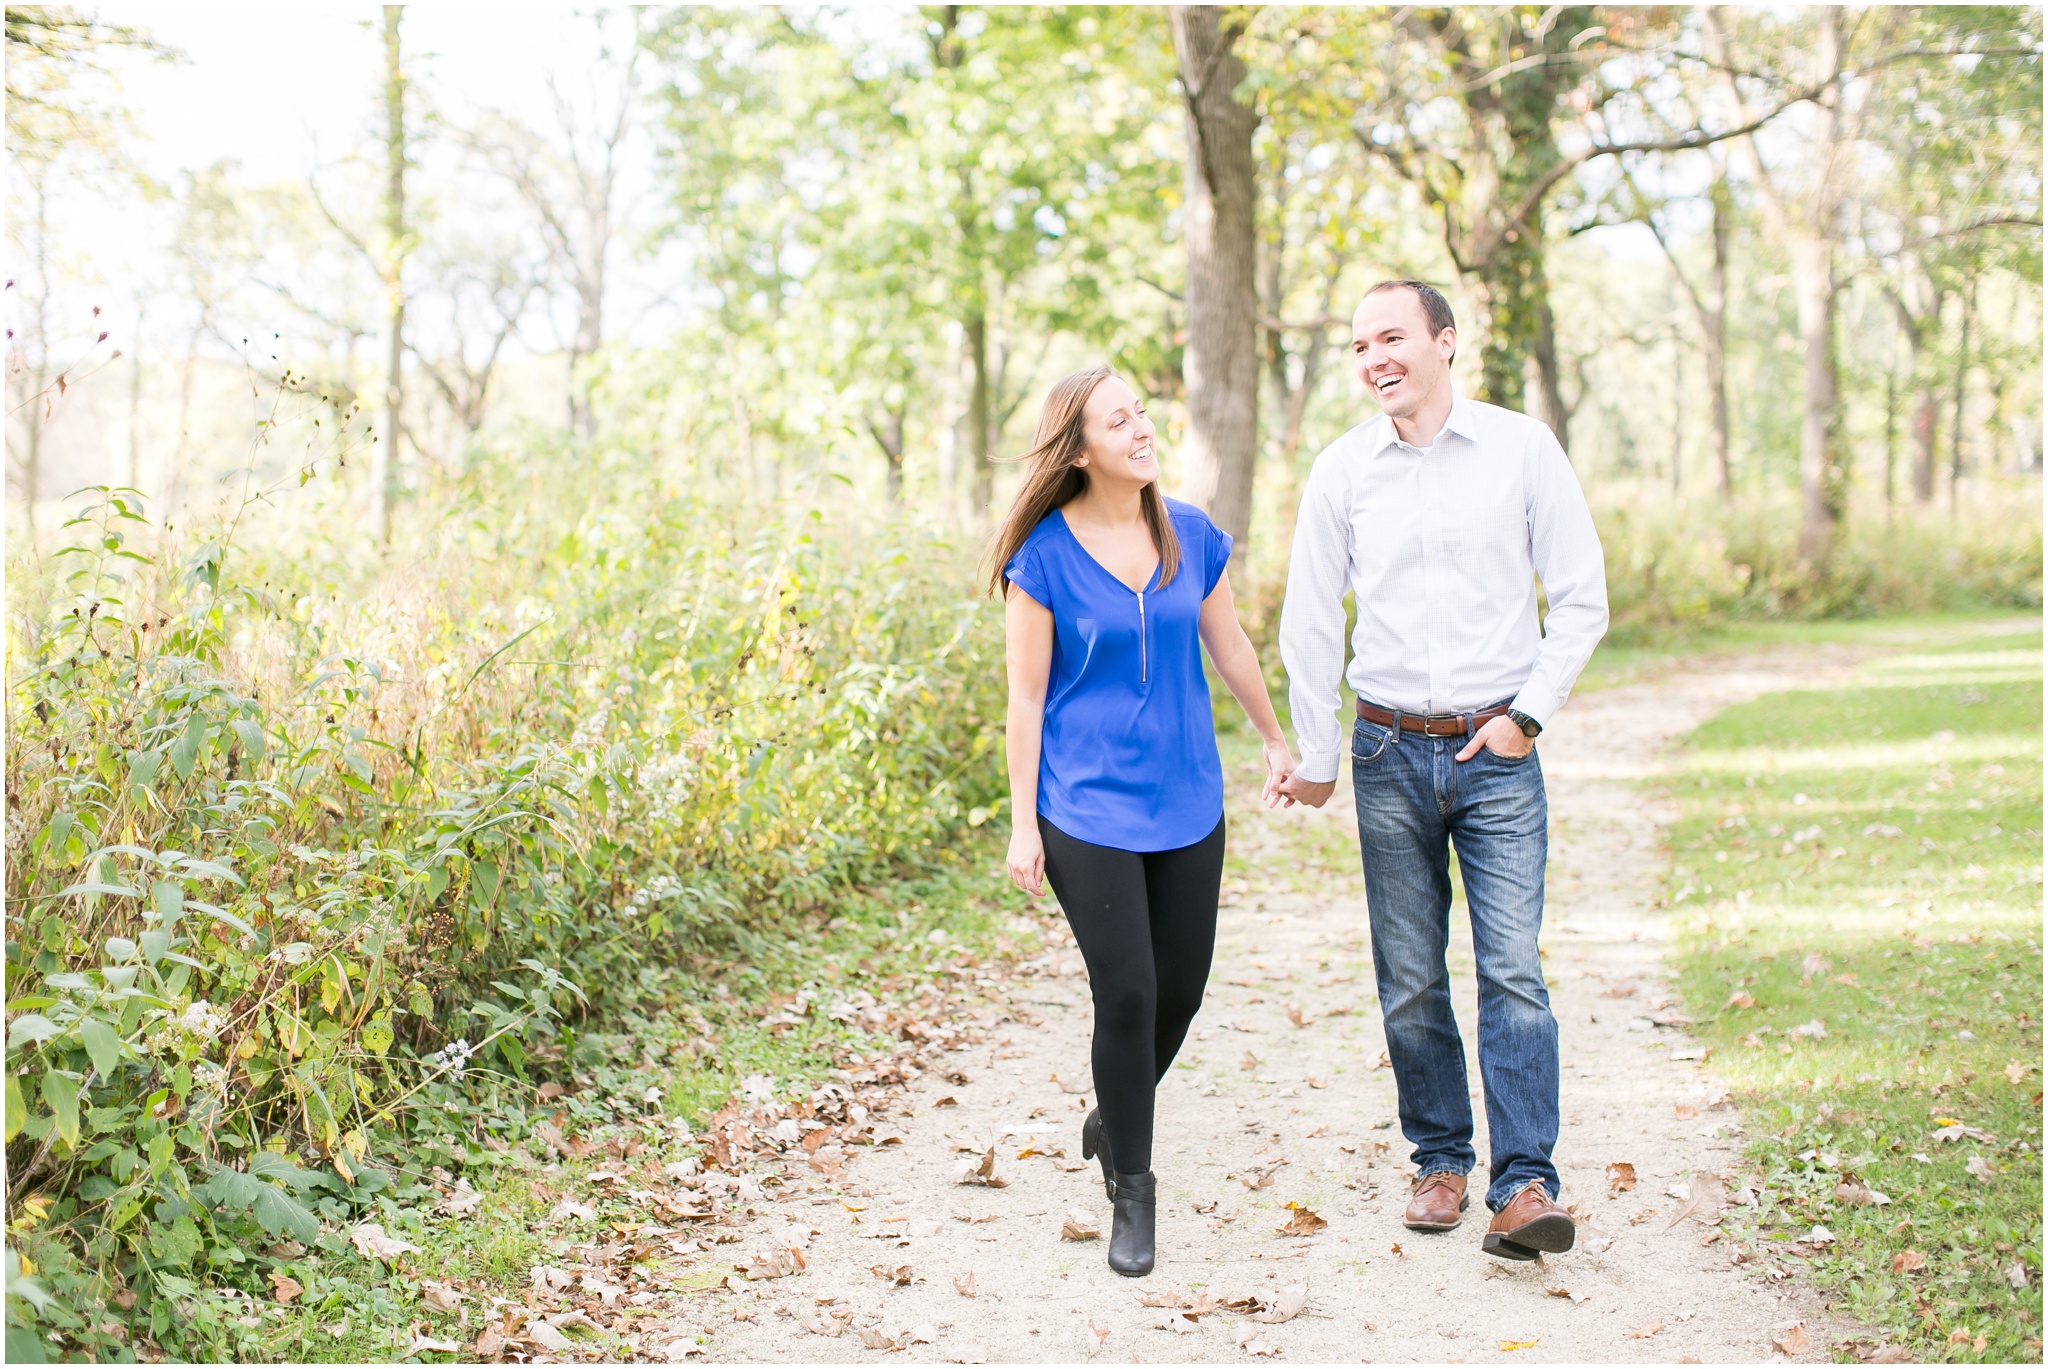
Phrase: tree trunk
(1820, 482)
(1221, 360)
(1923, 437)
(384, 462)
(1716, 335)
(975, 334)
(1955, 455)
(888, 435)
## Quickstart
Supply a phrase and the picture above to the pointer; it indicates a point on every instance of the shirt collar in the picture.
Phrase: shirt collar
(1463, 421)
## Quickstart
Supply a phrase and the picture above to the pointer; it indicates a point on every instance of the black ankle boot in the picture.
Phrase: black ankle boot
(1093, 1145)
(1132, 1241)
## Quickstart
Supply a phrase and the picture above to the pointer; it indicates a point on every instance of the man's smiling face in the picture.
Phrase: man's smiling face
(1395, 355)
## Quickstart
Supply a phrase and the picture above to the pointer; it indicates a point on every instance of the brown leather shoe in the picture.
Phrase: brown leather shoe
(1529, 1226)
(1438, 1203)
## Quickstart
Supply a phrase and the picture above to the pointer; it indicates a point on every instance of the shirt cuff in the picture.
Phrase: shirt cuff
(1318, 767)
(1537, 703)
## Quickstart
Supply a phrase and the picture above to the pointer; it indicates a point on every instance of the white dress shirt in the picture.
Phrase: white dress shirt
(1441, 549)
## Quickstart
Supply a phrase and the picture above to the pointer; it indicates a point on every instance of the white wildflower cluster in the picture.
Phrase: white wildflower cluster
(589, 733)
(185, 1034)
(665, 781)
(453, 1057)
(657, 890)
(378, 929)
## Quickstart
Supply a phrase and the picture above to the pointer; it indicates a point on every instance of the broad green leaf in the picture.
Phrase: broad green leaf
(28, 1029)
(187, 751)
(167, 896)
(17, 1109)
(250, 734)
(209, 869)
(93, 886)
(119, 949)
(143, 767)
(220, 914)
(377, 1034)
(103, 1044)
(156, 944)
(280, 1214)
(60, 1091)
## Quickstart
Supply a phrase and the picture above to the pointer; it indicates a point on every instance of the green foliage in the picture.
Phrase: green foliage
(292, 871)
(1676, 569)
(1867, 860)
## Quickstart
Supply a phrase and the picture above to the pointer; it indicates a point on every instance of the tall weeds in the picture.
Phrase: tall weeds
(285, 865)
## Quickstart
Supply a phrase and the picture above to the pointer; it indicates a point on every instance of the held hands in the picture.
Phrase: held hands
(1502, 738)
(1280, 764)
(1027, 859)
(1314, 793)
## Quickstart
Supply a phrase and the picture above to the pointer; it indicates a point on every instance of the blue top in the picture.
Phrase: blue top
(1129, 752)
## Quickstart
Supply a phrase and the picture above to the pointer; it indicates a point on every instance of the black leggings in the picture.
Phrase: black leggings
(1147, 927)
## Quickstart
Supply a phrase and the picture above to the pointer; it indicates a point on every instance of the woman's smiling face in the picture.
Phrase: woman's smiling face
(1117, 437)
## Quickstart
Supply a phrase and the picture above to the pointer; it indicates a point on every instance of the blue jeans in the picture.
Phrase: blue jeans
(1414, 802)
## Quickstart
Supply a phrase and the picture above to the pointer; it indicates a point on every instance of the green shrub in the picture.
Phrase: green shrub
(286, 866)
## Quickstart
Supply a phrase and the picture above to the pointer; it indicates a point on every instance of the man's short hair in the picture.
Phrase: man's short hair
(1435, 307)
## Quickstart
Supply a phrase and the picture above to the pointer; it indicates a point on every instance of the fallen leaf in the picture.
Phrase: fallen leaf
(1621, 1176)
(2016, 1274)
(900, 1275)
(548, 1279)
(1598, 1245)
(440, 1297)
(1852, 1192)
(875, 1338)
(2017, 1071)
(422, 1344)
(1641, 1215)
(1286, 1305)
(569, 1207)
(1250, 1062)
(1249, 1340)
(1705, 1196)
(1684, 1111)
(1204, 1208)
(1080, 1226)
(1165, 1297)
(1396, 1250)
(967, 1353)
(1647, 1331)
(983, 1172)
(490, 1343)
(1296, 1015)
(460, 1201)
(1741, 998)
(547, 1337)
(1791, 1341)
(1979, 1170)
(284, 1287)
(1316, 1083)
(1908, 1262)
(372, 1244)
(963, 1284)
(1510, 1346)
(1562, 1292)
(1816, 1030)
(1302, 1222)
(1096, 1336)
(774, 1264)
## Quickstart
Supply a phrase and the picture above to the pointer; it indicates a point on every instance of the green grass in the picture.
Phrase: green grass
(1866, 860)
(1618, 664)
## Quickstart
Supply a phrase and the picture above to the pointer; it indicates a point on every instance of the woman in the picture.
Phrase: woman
(1116, 790)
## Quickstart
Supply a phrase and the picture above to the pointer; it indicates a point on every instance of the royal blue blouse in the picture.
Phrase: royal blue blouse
(1129, 757)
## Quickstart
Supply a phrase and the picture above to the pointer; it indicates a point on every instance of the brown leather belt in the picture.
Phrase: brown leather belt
(1431, 724)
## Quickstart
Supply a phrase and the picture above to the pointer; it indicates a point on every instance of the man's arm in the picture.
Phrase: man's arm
(1566, 551)
(1312, 619)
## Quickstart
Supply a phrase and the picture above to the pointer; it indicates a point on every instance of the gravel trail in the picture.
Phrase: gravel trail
(1280, 1098)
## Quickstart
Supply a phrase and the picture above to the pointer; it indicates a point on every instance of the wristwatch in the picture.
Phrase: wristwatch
(1530, 727)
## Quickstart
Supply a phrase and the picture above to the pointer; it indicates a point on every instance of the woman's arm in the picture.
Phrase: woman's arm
(1027, 648)
(1238, 663)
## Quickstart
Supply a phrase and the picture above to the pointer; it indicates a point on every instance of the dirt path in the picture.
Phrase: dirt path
(1280, 1087)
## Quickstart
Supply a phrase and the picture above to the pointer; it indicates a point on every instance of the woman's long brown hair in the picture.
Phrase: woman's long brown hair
(1052, 480)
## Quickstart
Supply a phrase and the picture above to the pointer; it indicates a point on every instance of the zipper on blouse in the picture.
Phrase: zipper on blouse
(1143, 664)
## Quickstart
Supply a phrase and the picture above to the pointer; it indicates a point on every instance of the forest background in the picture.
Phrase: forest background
(479, 605)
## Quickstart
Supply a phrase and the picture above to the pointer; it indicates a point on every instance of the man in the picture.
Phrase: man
(1438, 517)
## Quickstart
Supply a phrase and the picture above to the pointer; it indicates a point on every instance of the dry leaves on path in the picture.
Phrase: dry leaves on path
(1508, 1347)
(963, 1284)
(1560, 1291)
(1647, 1331)
(1286, 1305)
(1080, 1226)
(774, 1264)
(441, 1297)
(284, 1287)
(1791, 1341)
(1705, 1197)
(1302, 1222)
(1908, 1262)
(983, 1172)
(1097, 1335)
(1621, 1177)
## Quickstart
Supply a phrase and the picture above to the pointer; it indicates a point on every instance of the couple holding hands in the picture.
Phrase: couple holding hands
(1438, 517)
